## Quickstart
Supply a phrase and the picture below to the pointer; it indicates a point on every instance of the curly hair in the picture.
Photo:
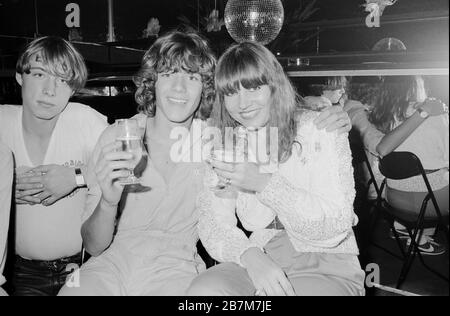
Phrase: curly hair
(176, 51)
(393, 100)
(251, 65)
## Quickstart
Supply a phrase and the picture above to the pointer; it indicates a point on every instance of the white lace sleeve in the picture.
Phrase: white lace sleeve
(314, 196)
(220, 236)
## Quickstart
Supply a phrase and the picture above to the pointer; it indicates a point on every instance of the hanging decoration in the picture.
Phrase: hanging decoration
(254, 20)
(213, 23)
(376, 7)
(152, 29)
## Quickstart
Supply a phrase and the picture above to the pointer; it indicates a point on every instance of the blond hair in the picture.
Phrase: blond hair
(59, 57)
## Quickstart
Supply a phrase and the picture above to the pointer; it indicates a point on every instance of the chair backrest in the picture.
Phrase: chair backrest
(400, 165)
(359, 156)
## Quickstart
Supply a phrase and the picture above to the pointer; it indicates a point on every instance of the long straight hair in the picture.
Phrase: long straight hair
(393, 100)
(252, 65)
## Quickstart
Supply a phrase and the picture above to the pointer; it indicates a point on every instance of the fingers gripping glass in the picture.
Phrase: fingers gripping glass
(232, 155)
(129, 135)
(224, 156)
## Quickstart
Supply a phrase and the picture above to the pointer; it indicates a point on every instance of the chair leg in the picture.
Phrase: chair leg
(409, 258)
(374, 215)
(397, 239)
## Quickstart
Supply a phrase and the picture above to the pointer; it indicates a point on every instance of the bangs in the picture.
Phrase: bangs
(238, 69)
(58, 58)
(54, 64)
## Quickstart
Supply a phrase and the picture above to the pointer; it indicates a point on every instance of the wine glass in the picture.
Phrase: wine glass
(234, 154)
(129, 135)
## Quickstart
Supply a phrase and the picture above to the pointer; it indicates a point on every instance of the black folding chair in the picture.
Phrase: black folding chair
(403, 165)
(359, 156)
(367, 208)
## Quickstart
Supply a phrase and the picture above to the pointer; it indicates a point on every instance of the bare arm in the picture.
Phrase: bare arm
(98, 230)
(110, 164)
(397, 136)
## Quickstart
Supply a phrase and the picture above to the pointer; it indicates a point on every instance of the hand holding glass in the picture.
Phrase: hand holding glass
(228, 157)
(128, 134)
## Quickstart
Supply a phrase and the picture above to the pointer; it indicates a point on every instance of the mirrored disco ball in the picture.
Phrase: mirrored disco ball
(254, 20)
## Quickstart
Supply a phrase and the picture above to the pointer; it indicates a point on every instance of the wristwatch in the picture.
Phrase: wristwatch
(423, 114)
(79, 178)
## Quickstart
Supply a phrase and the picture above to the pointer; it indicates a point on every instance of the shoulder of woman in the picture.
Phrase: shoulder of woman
(305, 118)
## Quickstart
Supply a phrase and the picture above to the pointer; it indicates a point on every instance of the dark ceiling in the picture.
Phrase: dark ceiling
(421, 24)
(17, 17)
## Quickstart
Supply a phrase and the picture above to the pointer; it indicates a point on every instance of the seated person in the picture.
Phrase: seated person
(401, 99)
(52, 140)
(302, 242)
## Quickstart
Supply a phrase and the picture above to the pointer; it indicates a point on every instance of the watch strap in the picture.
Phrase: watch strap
(79, 178)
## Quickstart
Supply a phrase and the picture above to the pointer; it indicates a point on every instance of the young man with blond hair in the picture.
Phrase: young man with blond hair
(51, 140)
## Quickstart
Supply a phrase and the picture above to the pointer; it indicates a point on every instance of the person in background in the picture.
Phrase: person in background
(52, 141)
(331, 92)
(417, 124)
(6, 182)
(301, 241)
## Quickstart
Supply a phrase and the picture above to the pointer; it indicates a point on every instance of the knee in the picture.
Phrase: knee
(82, 285)
(204, 285)
(221, 282)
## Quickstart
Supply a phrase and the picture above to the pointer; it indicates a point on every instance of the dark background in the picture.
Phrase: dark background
(335, 33)
(17, 19)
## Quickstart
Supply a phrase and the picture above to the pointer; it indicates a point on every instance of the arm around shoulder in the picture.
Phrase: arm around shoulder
(397, 136)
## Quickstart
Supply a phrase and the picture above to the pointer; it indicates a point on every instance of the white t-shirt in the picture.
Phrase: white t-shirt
(6, 178)
(48, 233)
(430, 143)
